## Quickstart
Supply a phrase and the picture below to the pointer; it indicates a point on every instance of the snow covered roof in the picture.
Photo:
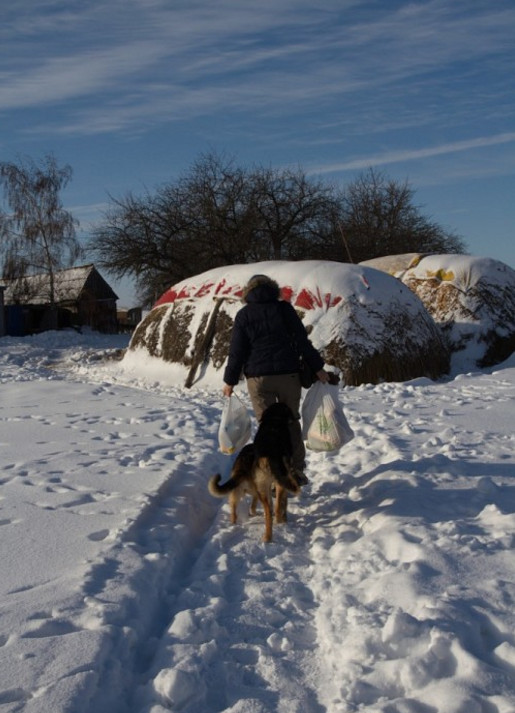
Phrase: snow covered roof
(69, 286)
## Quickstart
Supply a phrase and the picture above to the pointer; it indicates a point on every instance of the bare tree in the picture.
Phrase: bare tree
(217, 197)
(294, 214)
(188, 226)
(221, 214)
(38, 235)
(379, 218)
(142, 238)
(216, 214)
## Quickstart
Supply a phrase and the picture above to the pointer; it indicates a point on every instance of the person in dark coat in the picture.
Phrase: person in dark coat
(267, 338)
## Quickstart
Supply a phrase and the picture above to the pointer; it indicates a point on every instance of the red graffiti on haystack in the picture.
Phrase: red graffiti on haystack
(305, 299)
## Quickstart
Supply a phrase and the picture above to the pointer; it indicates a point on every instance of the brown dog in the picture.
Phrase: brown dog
(260, 465)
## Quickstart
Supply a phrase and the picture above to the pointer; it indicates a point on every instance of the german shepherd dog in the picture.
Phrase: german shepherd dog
(260, 465)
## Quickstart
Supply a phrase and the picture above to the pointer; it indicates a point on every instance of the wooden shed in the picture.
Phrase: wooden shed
(82, 298)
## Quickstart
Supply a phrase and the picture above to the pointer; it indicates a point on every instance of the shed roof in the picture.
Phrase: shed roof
(70, 284)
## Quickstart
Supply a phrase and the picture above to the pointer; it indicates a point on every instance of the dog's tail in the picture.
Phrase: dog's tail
(220, 491)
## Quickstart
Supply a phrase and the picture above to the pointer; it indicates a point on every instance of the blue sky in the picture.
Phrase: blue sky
(131, 92)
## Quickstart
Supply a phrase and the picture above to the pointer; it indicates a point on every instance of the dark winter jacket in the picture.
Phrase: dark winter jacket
(268, 336)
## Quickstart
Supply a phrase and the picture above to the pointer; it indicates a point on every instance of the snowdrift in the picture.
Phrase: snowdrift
(366, 323)
(471, 298)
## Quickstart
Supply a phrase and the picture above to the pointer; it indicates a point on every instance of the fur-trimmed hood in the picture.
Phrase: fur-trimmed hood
(269, 289)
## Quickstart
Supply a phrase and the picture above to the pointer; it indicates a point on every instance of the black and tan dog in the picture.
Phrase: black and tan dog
(260, 465)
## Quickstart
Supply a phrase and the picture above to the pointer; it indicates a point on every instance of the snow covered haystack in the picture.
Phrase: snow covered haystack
(395, 265)
(365, 322)
(473, 301)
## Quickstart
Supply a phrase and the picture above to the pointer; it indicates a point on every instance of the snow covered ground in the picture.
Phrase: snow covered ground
(124, 589)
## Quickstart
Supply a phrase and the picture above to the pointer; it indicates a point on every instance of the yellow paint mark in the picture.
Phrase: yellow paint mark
(442, 275)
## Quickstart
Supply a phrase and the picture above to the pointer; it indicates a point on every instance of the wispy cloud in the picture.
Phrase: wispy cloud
(63, 78)
(306, 81)
(127, 91)
(202, 57)
(407, 155)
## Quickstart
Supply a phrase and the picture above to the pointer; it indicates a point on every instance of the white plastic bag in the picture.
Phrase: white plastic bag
(324, 426)
(234, 430)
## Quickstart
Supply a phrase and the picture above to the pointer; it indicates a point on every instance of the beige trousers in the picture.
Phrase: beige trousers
(284, 388)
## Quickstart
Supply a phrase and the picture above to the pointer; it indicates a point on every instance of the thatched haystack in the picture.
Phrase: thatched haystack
(473, 301)
(366, 323)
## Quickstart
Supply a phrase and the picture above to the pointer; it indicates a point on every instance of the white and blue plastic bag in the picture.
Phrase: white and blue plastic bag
(235, 425)
(324, 425)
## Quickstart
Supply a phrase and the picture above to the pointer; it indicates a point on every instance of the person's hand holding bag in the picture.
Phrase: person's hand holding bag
(235, 425)
(324, 426)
